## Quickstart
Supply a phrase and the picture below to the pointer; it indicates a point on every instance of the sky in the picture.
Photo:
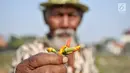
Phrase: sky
(104, 19)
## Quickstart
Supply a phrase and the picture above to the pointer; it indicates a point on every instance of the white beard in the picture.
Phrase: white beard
(61, 41)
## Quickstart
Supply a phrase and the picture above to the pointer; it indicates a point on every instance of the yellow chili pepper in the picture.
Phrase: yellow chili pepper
(62, 50)
(66, 49)
(51, 50)
(77, 48)
(71, 50)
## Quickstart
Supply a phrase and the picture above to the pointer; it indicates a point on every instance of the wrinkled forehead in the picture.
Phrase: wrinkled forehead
(63, 8)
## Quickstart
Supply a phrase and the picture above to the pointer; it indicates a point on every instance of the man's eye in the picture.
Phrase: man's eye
(60, 14)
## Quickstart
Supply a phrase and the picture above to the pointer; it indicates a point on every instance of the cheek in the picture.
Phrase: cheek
(54, 22)
(74, 23)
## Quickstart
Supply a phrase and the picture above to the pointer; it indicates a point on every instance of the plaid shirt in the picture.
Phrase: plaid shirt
(83, 60)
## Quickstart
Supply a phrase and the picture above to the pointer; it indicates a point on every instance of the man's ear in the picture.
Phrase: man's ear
(44, 15)
(81, 17)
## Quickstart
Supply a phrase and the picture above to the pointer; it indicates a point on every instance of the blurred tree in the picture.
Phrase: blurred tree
(98, 47)
(109, 40)
(126, 50)
(101, 46)
(28, 38)
(14, 42)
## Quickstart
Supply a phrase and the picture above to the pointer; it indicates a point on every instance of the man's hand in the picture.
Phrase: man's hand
(43, 63)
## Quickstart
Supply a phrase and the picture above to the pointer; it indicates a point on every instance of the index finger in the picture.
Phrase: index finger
(46, 59)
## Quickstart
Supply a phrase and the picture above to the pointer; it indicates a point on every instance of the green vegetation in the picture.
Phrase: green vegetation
(5, 61)
(15, 41)
(113, 64)
(105, 64)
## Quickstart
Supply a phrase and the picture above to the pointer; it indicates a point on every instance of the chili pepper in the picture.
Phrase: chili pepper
(62, 50)
(68, 42)
(66, 49)
(51, 50)
(70, 50)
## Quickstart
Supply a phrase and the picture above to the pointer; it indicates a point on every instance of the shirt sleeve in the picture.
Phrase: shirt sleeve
(24, 52)
(89, 63)
(20, 55)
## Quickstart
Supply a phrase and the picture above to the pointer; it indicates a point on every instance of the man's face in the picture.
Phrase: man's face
(63, 17)
(63, 22)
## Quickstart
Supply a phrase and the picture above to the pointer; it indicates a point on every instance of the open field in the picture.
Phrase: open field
(105, 64)
(5, 61)
(113, 64)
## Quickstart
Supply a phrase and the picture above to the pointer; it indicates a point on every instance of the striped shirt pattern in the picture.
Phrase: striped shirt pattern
(83, 60)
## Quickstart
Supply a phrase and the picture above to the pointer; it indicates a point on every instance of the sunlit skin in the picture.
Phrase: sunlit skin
(63, 17)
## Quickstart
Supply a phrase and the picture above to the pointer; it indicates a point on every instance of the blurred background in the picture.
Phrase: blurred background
(107, 28)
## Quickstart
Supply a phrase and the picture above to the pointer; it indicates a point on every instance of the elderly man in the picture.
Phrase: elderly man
(63, 17)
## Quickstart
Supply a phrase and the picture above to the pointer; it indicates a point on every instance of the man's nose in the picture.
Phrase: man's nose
(65, 22)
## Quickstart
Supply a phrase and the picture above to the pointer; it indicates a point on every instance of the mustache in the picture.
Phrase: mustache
(68, 32)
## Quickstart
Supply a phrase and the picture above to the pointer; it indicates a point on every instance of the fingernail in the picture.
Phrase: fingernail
(65, 59)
